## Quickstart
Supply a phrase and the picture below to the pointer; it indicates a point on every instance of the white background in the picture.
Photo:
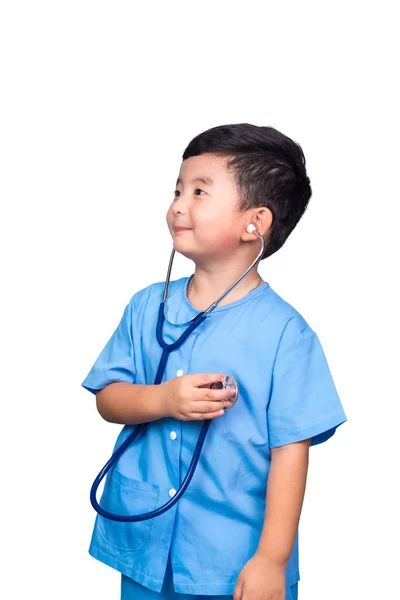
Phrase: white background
(98, 102)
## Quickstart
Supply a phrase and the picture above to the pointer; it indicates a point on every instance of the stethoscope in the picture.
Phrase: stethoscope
(167, 348)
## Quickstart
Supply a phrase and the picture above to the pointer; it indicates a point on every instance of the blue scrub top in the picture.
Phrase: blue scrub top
(286, 394)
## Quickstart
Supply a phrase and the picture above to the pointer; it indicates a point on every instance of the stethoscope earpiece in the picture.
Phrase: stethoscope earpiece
(250, 228)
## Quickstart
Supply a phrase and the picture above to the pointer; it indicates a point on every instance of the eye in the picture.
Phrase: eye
(178, 192)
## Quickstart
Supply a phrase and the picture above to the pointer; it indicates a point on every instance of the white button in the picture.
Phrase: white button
(179, 373)
(172, 492)
(172, 435)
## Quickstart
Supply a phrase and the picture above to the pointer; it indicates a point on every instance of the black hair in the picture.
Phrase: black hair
(269, 169)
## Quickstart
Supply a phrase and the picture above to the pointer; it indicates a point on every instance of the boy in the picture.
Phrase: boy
(234, 531)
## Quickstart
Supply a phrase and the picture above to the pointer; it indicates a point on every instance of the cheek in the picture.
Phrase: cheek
(217, 227)
(222, 237)
(169, 216)
(227, 239)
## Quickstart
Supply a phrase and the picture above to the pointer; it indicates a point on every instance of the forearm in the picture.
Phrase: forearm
(284, 500)
(130, 403)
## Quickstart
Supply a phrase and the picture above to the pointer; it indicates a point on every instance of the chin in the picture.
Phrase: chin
(180, 248)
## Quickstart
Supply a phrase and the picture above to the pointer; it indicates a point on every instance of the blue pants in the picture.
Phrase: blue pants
(130, 590)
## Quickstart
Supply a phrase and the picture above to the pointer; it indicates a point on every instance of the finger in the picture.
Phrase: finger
(208, 378)
(204, 416)
(211, 406)
(208, 395)
(238, 591)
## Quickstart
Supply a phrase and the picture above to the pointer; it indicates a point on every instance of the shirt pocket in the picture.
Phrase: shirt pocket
(125, 496)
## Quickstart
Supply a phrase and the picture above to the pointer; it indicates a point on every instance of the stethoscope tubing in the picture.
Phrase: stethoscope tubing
(167, 348)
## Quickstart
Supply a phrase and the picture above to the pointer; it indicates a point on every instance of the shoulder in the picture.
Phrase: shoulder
(291, 324)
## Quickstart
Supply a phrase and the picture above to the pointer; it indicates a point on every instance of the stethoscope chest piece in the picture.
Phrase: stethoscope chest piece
(227, 382)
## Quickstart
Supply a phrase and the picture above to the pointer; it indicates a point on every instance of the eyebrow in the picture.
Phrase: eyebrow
(206, 180)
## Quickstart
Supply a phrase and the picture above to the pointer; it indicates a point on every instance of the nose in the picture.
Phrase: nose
(179, 205)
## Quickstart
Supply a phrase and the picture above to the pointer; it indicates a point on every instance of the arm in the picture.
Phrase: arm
(179, 397)
(130, 403)
(263, 576)
(285, 494)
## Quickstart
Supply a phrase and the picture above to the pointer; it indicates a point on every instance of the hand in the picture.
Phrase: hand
(185, 400)
(261, 579)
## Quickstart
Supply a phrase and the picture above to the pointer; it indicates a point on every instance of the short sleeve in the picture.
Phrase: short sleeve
(304, 402)
(116, 362)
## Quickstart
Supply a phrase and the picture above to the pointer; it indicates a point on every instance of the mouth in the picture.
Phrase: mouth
(178, 229)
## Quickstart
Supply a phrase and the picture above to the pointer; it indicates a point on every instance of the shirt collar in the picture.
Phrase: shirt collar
(177, 308)
(179, 311)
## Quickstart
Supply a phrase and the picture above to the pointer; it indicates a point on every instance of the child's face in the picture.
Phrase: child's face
(208, 210)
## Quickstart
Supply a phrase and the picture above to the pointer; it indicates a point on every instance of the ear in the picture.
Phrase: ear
(262, 219)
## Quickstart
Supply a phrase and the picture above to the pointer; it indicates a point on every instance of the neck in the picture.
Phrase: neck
(206, 286)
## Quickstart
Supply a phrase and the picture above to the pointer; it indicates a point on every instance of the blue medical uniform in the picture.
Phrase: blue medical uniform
(131, 590)
(286, 394)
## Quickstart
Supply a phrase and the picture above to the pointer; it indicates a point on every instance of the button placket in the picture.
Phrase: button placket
(173, 436)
